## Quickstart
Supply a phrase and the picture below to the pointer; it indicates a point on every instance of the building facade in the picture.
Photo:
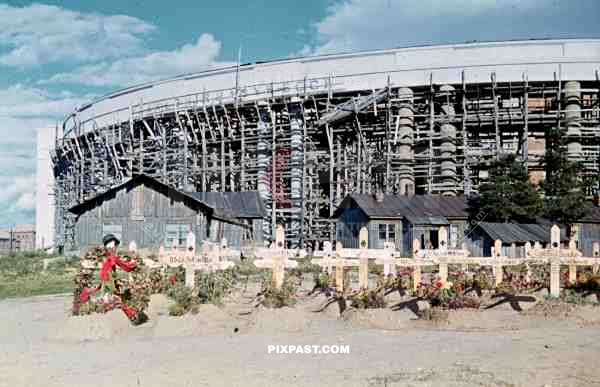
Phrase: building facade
(18, 238)
(151, 213)
(401, 219)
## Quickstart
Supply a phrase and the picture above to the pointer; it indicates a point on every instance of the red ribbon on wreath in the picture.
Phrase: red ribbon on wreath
(112, 261)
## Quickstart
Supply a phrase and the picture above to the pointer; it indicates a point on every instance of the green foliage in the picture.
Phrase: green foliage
(247, 268)
(323, 282)
(375, 269)
(177, 310)
(572, 296)
(305, 266)
(22, 274)
(508, 194)
(278, 298)
(184, 297)
(483, 280)
(369, 299)
(403, 282)
(214, 286)
(564, 190)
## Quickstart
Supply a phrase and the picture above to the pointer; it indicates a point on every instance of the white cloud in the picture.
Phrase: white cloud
(12, 188)
(22, 101)
(189, 58)
(38, 34)
(23, 110)
(17, 196)
(370, 24)
(26, 201)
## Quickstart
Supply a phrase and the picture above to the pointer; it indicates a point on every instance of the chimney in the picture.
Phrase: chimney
(379, 197)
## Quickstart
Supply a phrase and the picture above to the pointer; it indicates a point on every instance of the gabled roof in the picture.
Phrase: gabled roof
(223, 206)
(244, 204)
(519, 232)
(150, 182)
(406, 206)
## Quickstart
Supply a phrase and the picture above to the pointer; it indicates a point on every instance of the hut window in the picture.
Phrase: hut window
(178, 233)
(387, 232)
(453, 236)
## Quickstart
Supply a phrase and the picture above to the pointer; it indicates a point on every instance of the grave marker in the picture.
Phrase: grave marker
(211, 259)
(277, 257)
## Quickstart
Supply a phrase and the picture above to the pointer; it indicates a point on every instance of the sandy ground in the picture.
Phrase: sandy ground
(40, 345)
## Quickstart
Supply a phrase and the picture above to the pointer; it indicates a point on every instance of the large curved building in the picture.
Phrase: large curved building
(305, 132)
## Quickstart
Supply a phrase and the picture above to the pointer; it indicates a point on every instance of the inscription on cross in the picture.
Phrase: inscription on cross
(211, 258)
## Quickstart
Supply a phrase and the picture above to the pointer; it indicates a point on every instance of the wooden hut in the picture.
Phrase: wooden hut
(153, 213)
(400, 219)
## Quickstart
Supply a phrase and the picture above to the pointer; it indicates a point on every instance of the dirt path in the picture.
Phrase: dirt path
(41, 346)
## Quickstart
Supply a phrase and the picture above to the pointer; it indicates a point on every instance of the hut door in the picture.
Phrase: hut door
(433, 238)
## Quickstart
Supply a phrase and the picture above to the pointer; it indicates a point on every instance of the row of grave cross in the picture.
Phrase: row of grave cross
(554, 255)
(278, 258)
(211, 257)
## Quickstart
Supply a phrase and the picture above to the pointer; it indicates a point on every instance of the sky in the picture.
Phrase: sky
(57, 55)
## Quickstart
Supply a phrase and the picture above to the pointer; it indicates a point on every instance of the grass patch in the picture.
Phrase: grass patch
(23, 274)
(35, 285)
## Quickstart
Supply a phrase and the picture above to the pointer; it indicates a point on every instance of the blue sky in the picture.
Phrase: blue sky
(56, 55)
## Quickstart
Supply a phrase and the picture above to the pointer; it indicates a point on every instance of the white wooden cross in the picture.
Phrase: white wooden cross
(349, 257)
(211, 258)
(341, 261)
(326, 257)
(442, 255)
(388, 260)
(550, 254)
(277, 257)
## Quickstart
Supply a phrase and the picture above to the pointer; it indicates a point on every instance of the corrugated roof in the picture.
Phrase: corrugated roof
(519, 232)
(400, 206)
(245, 204)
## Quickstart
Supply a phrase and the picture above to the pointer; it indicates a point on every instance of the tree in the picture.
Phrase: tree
(564, 193)
(508, 194)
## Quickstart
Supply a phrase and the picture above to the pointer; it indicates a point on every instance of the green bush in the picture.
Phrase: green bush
(214, 286)
(182, 295)
(368, 299)
(278, 298)
(177, 310)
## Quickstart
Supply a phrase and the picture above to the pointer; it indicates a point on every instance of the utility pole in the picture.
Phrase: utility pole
(10, 239)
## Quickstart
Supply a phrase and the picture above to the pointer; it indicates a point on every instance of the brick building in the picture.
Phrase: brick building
(19, 238)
